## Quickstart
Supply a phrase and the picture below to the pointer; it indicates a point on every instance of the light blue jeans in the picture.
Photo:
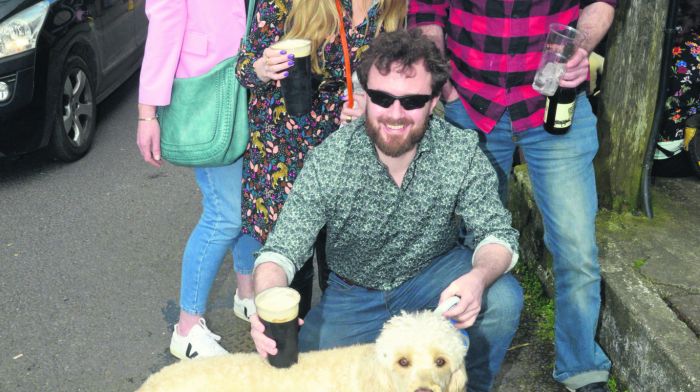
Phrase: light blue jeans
(563, 181)
(349, 314)
(217, 232)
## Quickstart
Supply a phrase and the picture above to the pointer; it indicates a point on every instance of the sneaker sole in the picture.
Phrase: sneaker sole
(177, 354)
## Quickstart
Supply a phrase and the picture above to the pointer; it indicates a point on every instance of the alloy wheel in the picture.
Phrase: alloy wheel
(78, 103)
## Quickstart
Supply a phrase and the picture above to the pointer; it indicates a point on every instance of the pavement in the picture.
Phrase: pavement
(651, 268)
(650, 317)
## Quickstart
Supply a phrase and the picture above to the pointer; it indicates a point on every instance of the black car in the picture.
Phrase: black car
(58, 59)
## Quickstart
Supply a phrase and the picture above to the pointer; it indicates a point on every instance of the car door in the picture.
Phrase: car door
(140, 22)
(114, 24)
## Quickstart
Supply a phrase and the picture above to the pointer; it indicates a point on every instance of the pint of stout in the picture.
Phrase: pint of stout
(296, 88)
(278, 308)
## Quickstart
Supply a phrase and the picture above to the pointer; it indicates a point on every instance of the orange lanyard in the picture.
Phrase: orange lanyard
(346, 54)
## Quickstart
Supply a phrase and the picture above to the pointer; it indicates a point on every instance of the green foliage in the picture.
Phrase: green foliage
(639, 263)
(537, 303)
(612, 385)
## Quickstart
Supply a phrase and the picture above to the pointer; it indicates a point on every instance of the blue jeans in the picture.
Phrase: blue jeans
(563, 182)
(217, 232)
(349, 314)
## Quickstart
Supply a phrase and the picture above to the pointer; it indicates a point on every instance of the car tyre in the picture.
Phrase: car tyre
(75, 112)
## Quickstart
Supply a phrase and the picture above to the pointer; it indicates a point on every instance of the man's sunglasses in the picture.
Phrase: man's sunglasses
(408, 102)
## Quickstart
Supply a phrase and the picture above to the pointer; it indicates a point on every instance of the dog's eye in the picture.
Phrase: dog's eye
(403, 362)
(440, 362)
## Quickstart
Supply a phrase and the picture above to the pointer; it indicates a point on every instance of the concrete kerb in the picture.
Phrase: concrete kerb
(651, 349)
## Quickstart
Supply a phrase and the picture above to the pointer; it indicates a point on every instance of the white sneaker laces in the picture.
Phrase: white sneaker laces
(209, 333)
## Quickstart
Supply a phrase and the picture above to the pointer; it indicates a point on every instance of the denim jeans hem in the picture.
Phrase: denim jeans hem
(582, 379)
(192, 311)
(244, 253)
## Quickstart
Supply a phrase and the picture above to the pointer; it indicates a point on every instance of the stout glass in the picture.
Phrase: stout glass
(278, 309)
(297, 88)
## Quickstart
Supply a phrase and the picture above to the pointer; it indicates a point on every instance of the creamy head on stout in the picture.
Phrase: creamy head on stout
(278, 304)
(296, 46)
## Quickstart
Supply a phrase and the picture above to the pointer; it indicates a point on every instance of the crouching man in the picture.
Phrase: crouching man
(393, 189)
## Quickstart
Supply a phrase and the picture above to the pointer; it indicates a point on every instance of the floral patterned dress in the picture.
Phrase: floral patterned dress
(279, 141)
(683, 90)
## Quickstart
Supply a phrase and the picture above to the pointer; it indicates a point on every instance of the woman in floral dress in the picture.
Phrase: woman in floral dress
(682, 94)
(279, 141)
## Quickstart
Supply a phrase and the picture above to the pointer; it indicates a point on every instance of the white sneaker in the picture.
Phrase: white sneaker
(199, 343)
(243, 308)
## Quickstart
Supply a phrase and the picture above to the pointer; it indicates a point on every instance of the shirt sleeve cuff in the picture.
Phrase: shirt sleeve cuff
(285, 263)
(493, 240)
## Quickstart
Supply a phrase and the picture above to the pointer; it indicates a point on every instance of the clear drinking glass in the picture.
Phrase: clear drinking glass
(561, 44)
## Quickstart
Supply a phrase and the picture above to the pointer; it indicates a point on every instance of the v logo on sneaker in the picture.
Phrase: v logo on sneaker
(189, 354)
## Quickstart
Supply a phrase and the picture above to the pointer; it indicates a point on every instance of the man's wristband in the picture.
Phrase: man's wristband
(155, 117)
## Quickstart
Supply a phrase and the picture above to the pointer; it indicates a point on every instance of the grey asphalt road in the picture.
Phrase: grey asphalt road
(90, 257)
(90, 262)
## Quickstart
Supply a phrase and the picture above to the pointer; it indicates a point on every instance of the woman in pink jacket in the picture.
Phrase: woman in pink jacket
(187, 38)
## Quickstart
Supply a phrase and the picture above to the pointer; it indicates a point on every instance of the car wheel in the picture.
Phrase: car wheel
(75, 111)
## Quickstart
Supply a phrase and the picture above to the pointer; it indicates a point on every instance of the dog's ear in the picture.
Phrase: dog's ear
(458, 382)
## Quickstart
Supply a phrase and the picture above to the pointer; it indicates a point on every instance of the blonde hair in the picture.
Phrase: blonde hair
(318, 21)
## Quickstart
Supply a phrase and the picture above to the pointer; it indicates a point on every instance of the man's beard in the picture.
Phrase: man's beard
(396, 145)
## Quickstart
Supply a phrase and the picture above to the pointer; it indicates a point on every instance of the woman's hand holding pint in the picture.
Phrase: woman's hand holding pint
(273, 64)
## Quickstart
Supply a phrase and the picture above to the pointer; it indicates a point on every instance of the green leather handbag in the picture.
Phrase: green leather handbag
(206, 123)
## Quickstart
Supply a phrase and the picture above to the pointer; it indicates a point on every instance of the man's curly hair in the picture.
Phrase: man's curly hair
(406, 48)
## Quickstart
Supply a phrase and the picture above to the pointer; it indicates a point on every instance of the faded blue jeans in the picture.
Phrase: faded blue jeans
(217, 232)
(563, 182)
(349, 314)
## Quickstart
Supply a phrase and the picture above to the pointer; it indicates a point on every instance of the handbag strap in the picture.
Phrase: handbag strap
(346, 54)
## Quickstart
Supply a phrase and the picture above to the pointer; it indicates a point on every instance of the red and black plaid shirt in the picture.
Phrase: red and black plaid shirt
(494, 48)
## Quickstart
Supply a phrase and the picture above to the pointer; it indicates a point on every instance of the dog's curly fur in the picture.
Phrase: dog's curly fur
(414, 352)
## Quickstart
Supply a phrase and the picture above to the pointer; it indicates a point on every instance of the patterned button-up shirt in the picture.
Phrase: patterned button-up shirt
(380, 234)
(495, 47)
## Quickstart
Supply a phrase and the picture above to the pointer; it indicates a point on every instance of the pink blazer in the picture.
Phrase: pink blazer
(187, 38)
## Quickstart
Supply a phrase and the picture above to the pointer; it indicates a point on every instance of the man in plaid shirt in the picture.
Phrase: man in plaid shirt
(494, 48)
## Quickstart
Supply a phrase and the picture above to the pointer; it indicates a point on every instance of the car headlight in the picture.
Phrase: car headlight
(19, 33)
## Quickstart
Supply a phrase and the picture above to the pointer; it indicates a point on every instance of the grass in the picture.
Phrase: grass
(639, 263)
(612, 385)
(537, 303)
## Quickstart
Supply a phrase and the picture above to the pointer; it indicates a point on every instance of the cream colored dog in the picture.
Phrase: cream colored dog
(419, 352)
